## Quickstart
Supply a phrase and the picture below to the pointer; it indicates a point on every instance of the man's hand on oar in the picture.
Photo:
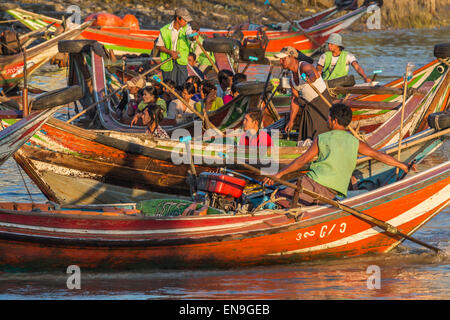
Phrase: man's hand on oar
(390, 229)
(268, 181)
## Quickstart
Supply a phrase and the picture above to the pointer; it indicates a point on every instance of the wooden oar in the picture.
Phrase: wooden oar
(410, 144)
(115, 91)
(390, 229)
(207, 56)
(204, 117)
(405, 88)
(263, 94)
(373, 90)
(269, 105)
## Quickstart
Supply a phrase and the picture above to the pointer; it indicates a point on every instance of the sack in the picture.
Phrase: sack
(130, 21)
(105, 20)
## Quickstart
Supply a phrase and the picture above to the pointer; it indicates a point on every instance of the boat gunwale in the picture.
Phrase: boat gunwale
(314, 212)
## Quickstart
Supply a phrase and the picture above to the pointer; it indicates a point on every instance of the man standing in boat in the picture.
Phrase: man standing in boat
(336, 152)
(310, 108)
(335, 62)
(173, 43)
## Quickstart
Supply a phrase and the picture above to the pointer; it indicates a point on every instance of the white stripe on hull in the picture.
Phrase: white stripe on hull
(132, 232)
(413, 213)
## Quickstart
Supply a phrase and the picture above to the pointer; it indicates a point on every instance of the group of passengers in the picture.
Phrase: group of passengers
(334, 147)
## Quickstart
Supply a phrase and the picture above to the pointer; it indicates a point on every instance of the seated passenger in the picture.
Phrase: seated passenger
(210, 101)
(233, 94)
(192, 60)
(167, 95)
(160, 101)
(178, 108)
(253, 136)
(225, 78)
(336, 151)
(150, 117)
(196, 81)
(149, 95)
(237, 78)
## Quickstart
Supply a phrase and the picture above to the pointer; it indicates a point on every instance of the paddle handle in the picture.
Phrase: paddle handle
(198, 114)
(208, 56)
(114, 92)
(379, 223)
(405, 87)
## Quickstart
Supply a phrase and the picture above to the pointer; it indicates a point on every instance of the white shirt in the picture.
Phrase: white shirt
(174, 36)
(304, 89)
(350, 59)
(176, 107)
(220, 93)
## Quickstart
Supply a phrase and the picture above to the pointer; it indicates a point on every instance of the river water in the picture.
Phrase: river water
(409, 272)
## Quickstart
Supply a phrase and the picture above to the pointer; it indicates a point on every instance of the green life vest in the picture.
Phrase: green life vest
(340, 69)
(338, 151)
(182, 47)
(202, 59)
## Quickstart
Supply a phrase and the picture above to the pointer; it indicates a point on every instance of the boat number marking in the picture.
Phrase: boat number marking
(324, 231)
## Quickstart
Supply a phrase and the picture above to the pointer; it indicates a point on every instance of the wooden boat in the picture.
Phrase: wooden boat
(100, 83)
(14, 136)
(42, 236)
(125, 41)
(378, 116)
(11, 66)
(110, 166)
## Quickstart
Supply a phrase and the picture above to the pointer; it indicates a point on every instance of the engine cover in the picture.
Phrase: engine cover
(220, 184)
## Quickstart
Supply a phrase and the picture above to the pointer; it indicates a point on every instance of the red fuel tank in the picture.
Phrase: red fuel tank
(221, 184)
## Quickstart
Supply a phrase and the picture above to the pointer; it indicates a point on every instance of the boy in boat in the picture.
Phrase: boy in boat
(253, 136)
(192, 60)
(173, 43)
(225, 81)
(335, 62)
(196, 81)
(311, 109)
(337, 151)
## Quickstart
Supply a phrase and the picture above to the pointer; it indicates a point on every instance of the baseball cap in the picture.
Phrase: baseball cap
(286, 52)
(183, 13)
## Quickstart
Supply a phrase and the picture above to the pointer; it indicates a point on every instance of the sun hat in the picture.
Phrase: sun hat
(138, 82)
(183, 13)
(335, 39)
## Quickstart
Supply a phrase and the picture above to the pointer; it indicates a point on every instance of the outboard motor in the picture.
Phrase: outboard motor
(219, 191)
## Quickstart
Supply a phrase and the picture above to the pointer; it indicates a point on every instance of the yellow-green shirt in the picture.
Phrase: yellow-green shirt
(215, 105)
